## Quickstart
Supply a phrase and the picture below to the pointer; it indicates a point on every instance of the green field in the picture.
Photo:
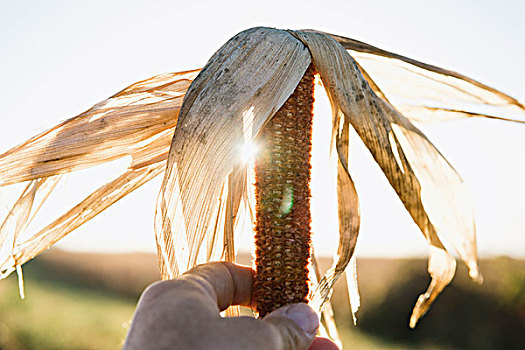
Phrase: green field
(86, 301)
(60, 316)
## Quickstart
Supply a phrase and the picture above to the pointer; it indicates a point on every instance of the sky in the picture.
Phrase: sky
(58, 58)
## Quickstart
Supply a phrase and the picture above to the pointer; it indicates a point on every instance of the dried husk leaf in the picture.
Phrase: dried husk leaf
(119, 126)
(441, 267)
(19, 217)
(429, 93)
(146, 112)
(422, 178)
(427, 96)
(239, 89)
(327, 327)
(348, 213)
(26, 249)
(352, 287)
(236, 192)
(349, 218)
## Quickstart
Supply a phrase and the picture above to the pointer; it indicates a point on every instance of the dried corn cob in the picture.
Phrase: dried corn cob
(282, 177)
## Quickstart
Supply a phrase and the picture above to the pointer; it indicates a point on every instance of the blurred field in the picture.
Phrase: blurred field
(85, 301)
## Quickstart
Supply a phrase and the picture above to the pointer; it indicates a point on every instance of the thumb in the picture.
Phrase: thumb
(295, 324)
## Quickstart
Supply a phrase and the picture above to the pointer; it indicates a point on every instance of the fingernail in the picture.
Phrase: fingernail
(305, 318)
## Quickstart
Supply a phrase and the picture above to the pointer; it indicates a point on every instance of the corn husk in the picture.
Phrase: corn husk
(206, 191)
(428, 93)
(236, 93)
(137, 122)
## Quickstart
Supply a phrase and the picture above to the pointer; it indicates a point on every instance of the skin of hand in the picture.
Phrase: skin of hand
(185, 314)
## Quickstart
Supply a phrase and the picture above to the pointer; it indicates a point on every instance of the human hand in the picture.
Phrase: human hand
(184, 314)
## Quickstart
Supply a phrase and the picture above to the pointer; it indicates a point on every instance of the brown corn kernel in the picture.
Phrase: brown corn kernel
(282, 190)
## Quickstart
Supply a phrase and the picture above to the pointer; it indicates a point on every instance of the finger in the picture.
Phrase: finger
(297, 325)
(323, 344)
(223, 283)
(291, 327)
(177, 311)
(301, 314)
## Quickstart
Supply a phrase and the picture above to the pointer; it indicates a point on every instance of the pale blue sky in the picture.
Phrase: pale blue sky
(58, 58)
